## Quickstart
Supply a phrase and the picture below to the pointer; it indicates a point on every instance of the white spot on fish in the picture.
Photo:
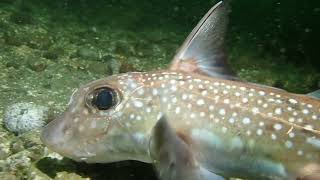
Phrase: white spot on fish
(222, 112)
(174, 100)
(278, 111)
(192, 115)
(245, 100)
(305, 111)
(184, 96)
(261, 123)
(291, 119)
(246, 120)
(75, 120)
(308, 127)
(248, 132)
(262, 93)
(164, 99)
(138, 118)
(204, 93)
(200, 102)
(231, 120)
(173, 88)
(255, 110)
(277, 126)
(178, 109)
(291, 134)
(259, 132)
(293, 101)
(137, 104)
(288, 144)
(226, 101)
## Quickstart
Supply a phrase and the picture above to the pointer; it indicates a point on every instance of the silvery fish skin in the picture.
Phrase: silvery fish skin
(232, 128)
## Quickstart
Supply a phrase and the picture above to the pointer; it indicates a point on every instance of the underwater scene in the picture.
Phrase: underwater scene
(48, 49)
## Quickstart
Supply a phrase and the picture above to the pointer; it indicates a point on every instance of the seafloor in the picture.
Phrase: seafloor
(48, 48)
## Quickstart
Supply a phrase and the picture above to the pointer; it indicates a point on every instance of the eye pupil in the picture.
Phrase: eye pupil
(104, 99)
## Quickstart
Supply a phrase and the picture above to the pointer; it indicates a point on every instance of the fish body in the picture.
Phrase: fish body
(274, 132)
(225, 127)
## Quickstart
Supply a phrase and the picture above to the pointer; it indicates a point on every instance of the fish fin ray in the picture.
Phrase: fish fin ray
(203, 50)
(315, 94)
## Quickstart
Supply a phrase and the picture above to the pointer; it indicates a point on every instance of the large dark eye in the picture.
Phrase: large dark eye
(104, 99)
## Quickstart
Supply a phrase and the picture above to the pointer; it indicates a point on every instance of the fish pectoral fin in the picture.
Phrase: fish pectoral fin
(203, 50)
(173, 157)
(310, 177)
(309, 172)
(315, 94)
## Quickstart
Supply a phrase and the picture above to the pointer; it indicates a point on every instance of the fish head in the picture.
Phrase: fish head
(92, 129)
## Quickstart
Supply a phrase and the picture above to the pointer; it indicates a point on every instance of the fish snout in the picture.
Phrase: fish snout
(55, 135)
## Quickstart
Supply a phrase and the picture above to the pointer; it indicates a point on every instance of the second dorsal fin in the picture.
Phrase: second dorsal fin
(203, 52)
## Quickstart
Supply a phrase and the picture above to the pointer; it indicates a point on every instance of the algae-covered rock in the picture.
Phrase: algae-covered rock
(4, 150)
(21, 18)
(37, 65)
(69, 176)
(88, 53)
(23, 117)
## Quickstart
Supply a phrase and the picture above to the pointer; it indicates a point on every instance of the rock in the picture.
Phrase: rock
(21, 18)
(65, 175)
(53, 53)
(8, 176)
(4, 150)
(88, 53)
(113, 64)
(23, 117)
(37, 65)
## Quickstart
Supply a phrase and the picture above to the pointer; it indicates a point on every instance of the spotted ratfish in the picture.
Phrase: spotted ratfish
(194, 120)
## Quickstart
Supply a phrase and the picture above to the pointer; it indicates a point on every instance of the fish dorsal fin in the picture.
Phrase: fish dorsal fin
(173, 156)
(315, 94)
(203, 52)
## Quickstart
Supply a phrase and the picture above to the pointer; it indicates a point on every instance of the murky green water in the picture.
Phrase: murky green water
(48, 48)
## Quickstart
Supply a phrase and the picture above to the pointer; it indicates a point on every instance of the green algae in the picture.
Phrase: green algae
(48, 48)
